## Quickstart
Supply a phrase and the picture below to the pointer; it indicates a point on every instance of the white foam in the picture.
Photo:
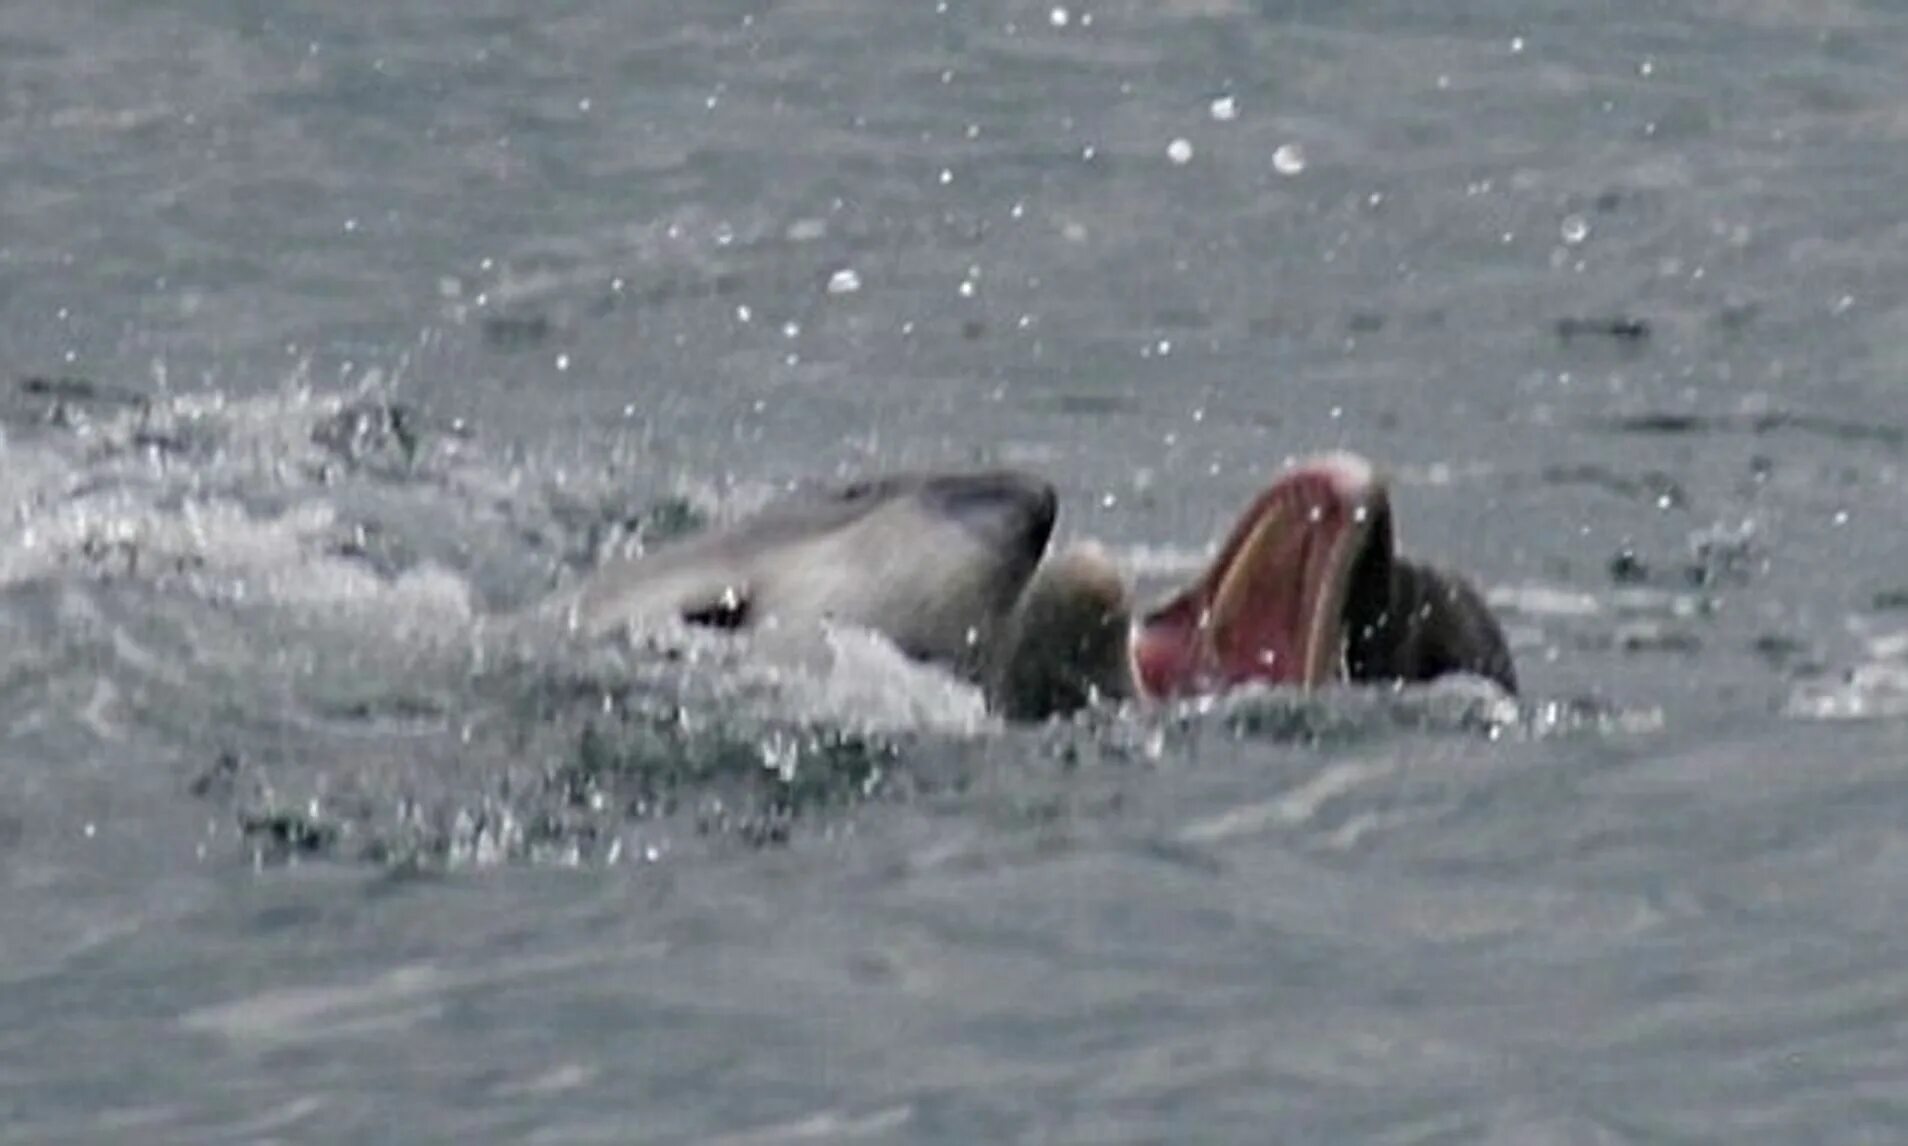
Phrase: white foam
(239, 503)
(1890, 646)
(1875, 691)
(1352, 475)
(859, 679)
(1544, 601)
(1148, 561)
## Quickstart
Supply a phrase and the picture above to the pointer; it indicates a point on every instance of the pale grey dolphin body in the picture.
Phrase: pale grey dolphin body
(933, 562)
(952, 568)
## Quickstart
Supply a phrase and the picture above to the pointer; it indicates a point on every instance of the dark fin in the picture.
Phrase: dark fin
(1435, 623)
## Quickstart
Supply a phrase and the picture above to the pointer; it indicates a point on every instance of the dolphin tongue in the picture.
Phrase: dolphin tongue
(1270, 606)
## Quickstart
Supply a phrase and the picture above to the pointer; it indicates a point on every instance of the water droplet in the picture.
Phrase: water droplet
(1088, 152)
(1180, 151)
(1646, 68)
(844, 281)
(562, 362)
(1517, 45)
(791, 329)
(583, 105)
(1575, 229)
(1444, 83)
(1289, 159)
(1164, 347)
(743, 314)
(1059, 17)
(1225, 109)
(1017, 210)
(967, 288)
(1315, 515)
(947, 176)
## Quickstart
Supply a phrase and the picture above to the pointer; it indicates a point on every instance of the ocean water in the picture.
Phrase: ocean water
(332, 333)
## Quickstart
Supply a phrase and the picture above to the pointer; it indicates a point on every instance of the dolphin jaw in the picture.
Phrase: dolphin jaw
(1271, 606)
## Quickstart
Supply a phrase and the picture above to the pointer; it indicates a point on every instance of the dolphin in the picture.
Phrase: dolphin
(954, 570)
(934, 562)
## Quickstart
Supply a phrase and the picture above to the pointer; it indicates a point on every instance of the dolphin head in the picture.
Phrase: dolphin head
(933, 561)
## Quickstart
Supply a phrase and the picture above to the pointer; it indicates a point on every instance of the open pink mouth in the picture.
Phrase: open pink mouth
(1271, 605)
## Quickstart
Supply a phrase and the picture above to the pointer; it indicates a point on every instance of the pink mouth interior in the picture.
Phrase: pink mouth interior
(1268, 607)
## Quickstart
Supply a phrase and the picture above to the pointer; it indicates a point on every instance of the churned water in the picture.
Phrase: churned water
(330, 331)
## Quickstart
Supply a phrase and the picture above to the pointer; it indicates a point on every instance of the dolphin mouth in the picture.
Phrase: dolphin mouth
(1271, 606)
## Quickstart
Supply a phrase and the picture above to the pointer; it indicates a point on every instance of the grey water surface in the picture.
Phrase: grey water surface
(330, 333)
